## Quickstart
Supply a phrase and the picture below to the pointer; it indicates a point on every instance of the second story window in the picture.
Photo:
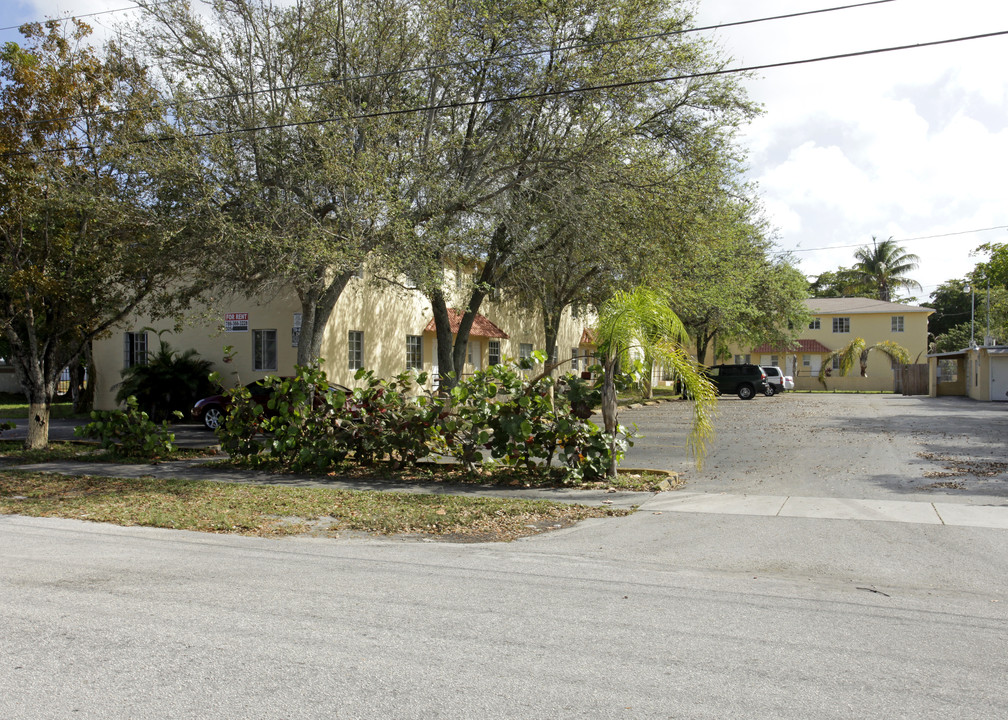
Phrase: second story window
(841, 324)
(814, 325)
(897, 323)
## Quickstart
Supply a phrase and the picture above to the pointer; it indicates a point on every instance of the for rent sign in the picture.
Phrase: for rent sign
(236, 322)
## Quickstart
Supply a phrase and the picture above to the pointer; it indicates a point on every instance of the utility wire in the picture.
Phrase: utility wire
(467, 63)
(547, 93)
(74, 17)
(903, 240)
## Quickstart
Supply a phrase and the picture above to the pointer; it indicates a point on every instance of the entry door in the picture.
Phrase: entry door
(999, 378)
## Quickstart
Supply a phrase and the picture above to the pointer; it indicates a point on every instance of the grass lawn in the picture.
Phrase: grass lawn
(15, 406)
(271, 511)
(14, 451)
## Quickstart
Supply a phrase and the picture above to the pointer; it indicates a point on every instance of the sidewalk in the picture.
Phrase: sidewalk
(905, 511)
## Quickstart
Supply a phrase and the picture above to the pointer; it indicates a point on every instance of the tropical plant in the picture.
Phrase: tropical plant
(857, 351)
(884, 266)
(640, 324)
(167, 382)
(129, 432)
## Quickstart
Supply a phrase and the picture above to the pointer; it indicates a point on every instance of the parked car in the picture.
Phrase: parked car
(745, 380)
(211, 410)
(777, 381)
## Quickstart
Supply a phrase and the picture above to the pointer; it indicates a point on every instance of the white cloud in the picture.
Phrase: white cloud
(907, 144)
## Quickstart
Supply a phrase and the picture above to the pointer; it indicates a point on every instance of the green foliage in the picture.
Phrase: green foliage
(88, 232)
(641, 323)
(129, 433)
(382, 419)
(856, 352)
(305, 434)
(167, 382)
(240, 434)
(951, 302)
(884, 267)
(309, 426)
(955, 338)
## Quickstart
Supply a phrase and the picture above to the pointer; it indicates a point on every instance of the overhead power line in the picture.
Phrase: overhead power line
(903, 240)
(553, 93)
(466, 63)
(74, 17)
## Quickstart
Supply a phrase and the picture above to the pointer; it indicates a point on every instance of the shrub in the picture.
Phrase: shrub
(240, 433)
(168, 382)
(305, 423)
(129, 433)
(382, 419)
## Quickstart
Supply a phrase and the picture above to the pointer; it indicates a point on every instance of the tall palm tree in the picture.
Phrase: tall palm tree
(640, 324)
(884, 266)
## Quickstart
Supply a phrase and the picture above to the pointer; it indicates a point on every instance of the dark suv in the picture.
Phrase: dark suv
(745, 379)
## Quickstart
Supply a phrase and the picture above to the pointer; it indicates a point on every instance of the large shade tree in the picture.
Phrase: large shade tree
(529, 99)
(90, 209)
(303, 131)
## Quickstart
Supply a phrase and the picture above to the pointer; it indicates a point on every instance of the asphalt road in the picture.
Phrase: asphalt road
(836, 445)
(656, 615)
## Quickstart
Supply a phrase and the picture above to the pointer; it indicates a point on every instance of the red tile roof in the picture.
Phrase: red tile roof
(588, 337)
(481, 327)
(805, 346)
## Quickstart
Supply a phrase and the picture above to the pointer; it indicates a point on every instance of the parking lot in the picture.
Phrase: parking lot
(836, 445)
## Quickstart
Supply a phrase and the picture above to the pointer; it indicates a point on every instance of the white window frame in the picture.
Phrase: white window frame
(414, 352)
(525, 350)
(897, 323)
(355, 349)
(261, 360)
(574, 359)
(815, 324)
(134, 349)
(493, 352)
(841, 325)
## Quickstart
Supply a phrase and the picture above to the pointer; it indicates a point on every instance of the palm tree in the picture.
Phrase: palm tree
(641, 323)
(883, 266)
(858, 350)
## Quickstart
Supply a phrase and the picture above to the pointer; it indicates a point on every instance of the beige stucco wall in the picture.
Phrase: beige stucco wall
(386, 315)
(874, 328)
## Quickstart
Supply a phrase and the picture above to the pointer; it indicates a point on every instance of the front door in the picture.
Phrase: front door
(999, 378)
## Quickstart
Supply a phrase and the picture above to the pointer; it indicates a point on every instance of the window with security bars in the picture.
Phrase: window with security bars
(414, 352)
(897, 323)
(355, 349)
(134, 349)
(493, 352)
(264, 350)
(841, 324)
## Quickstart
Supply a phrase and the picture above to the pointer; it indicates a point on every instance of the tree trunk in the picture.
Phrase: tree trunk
(82, 381)
(447, 377)
(38, 426)
(609, 419)
(316, 310)
(648, 390)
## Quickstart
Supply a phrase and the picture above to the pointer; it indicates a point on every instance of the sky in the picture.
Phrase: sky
(911, 144)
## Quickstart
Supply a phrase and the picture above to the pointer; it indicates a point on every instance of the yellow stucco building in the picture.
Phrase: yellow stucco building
(378, 327)
(835, 323)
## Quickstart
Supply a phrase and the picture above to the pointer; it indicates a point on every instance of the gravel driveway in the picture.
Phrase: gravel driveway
(836, 445)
